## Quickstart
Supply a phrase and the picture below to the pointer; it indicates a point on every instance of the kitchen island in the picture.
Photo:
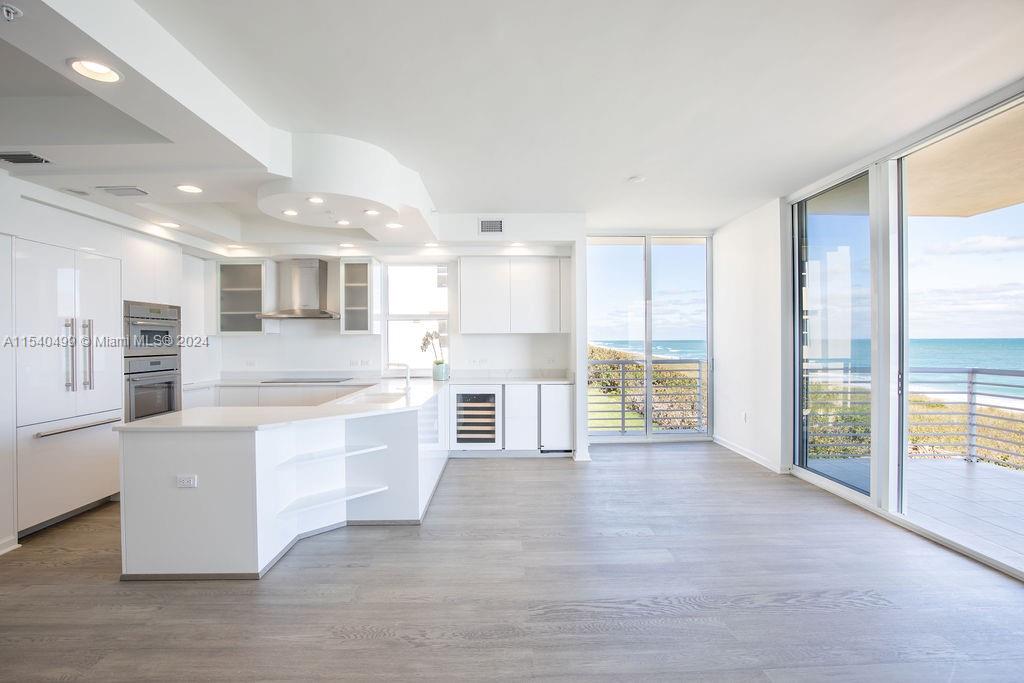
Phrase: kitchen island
(224, 492)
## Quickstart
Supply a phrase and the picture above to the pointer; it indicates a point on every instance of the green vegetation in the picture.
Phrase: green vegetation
(679, 395)
(839, 422)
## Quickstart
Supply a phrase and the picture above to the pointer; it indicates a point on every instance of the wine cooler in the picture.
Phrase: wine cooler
(476, 418)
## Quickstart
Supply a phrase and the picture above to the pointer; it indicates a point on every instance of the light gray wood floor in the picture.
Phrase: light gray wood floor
(669, 561)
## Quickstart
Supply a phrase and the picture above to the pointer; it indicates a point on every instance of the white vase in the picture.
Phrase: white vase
(440, 372)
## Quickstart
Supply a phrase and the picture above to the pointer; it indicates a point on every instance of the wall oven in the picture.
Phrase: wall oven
(152, 386)
(151, 329)
(152, 360)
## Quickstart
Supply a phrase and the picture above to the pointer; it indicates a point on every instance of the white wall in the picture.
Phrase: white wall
(749, 327)
(305, 345)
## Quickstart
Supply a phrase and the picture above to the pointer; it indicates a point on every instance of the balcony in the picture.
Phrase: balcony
(964, 467)
(619, 396)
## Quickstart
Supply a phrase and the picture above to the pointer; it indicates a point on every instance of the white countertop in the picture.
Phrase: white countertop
(483, 379)
(374, 398)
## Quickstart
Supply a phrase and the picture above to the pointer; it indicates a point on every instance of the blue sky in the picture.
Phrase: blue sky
(966, 275)
(965, 279)
(615, 291)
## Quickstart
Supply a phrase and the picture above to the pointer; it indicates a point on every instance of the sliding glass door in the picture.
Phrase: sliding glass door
(648, 336)
(834, 342)
(963, 448)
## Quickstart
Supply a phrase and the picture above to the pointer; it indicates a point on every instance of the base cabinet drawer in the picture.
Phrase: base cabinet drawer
(238, 396)
(204, 397)
(66, 464)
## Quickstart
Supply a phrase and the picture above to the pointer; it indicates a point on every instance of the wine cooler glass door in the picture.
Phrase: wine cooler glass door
(477, 418)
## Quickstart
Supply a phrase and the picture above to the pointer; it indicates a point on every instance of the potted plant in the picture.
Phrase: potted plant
(432, 340)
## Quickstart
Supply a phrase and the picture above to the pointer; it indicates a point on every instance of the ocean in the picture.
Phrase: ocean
(989, 354)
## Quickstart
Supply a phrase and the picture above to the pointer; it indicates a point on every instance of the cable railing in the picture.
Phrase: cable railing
(619, 396)
(973, 413)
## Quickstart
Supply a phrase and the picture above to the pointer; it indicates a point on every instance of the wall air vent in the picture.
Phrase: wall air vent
(22, 158)
(123, 190)
(490, 227)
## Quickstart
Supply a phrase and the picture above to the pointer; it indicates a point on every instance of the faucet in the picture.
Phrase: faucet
(402, 365)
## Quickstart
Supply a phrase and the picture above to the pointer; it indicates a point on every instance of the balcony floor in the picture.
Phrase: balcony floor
(978, 504)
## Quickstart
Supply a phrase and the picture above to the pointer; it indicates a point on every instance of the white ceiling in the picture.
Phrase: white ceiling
(541, 106)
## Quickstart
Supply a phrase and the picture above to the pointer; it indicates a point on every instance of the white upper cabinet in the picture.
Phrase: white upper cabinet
(64, 295)
(502, 294)
(152, 270)
(565, 310)
(484, 294)
(534, 291)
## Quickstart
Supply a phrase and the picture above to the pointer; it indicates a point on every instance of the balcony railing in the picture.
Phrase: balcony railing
(618, 396)
(974, 413)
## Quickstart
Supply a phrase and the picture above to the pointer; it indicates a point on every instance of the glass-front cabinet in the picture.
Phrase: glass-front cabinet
(360, 296)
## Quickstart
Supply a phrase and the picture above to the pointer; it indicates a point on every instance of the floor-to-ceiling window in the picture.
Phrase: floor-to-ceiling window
(648, 336)
(834, 334)
(963, 220)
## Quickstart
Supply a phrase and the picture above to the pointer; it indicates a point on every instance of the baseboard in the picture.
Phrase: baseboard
(748, 454)
(8, 544)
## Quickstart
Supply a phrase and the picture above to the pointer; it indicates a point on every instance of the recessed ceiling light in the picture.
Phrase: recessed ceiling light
(393, 225)
(635, 179)
(346, 245)
(342, 222)
(235, 246)
(191, 189)
(372, 212)
(431, 244)
(290, 212)
(94, 70)
(315, 200)
(516, 244)
(88, 248)
(168, 224)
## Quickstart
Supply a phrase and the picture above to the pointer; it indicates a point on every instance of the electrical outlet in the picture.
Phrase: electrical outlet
(250, 363)
(364, 363)
(188, 481)
(353, 364)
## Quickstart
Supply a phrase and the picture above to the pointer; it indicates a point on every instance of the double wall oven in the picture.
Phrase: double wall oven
(152, 359)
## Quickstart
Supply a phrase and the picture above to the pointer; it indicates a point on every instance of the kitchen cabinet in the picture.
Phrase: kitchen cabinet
(65, 465)
(533, 294)
(64, 296)
(296, 395)
(522, 417)
(152, 270)
(565, 287)
(502, 294)
(198, 397)
(484, 295)
(361, 281)
(245, 290)
(556, 412)
(238, 396)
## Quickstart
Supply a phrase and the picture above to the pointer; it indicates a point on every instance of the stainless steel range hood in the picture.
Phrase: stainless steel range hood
(302, 290)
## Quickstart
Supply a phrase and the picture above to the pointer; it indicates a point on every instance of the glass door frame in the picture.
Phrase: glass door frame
(649, 435)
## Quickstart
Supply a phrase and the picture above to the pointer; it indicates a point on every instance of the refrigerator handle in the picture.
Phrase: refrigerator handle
(71, 379)
(89, 375)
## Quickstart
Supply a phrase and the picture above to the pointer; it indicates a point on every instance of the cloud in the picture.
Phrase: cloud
(981, 244)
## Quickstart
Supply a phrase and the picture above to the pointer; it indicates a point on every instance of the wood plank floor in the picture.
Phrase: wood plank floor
(672, 561)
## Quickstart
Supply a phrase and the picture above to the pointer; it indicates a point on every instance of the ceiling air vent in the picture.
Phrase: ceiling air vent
(22, 158)
(489, 227)
(123, 190)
